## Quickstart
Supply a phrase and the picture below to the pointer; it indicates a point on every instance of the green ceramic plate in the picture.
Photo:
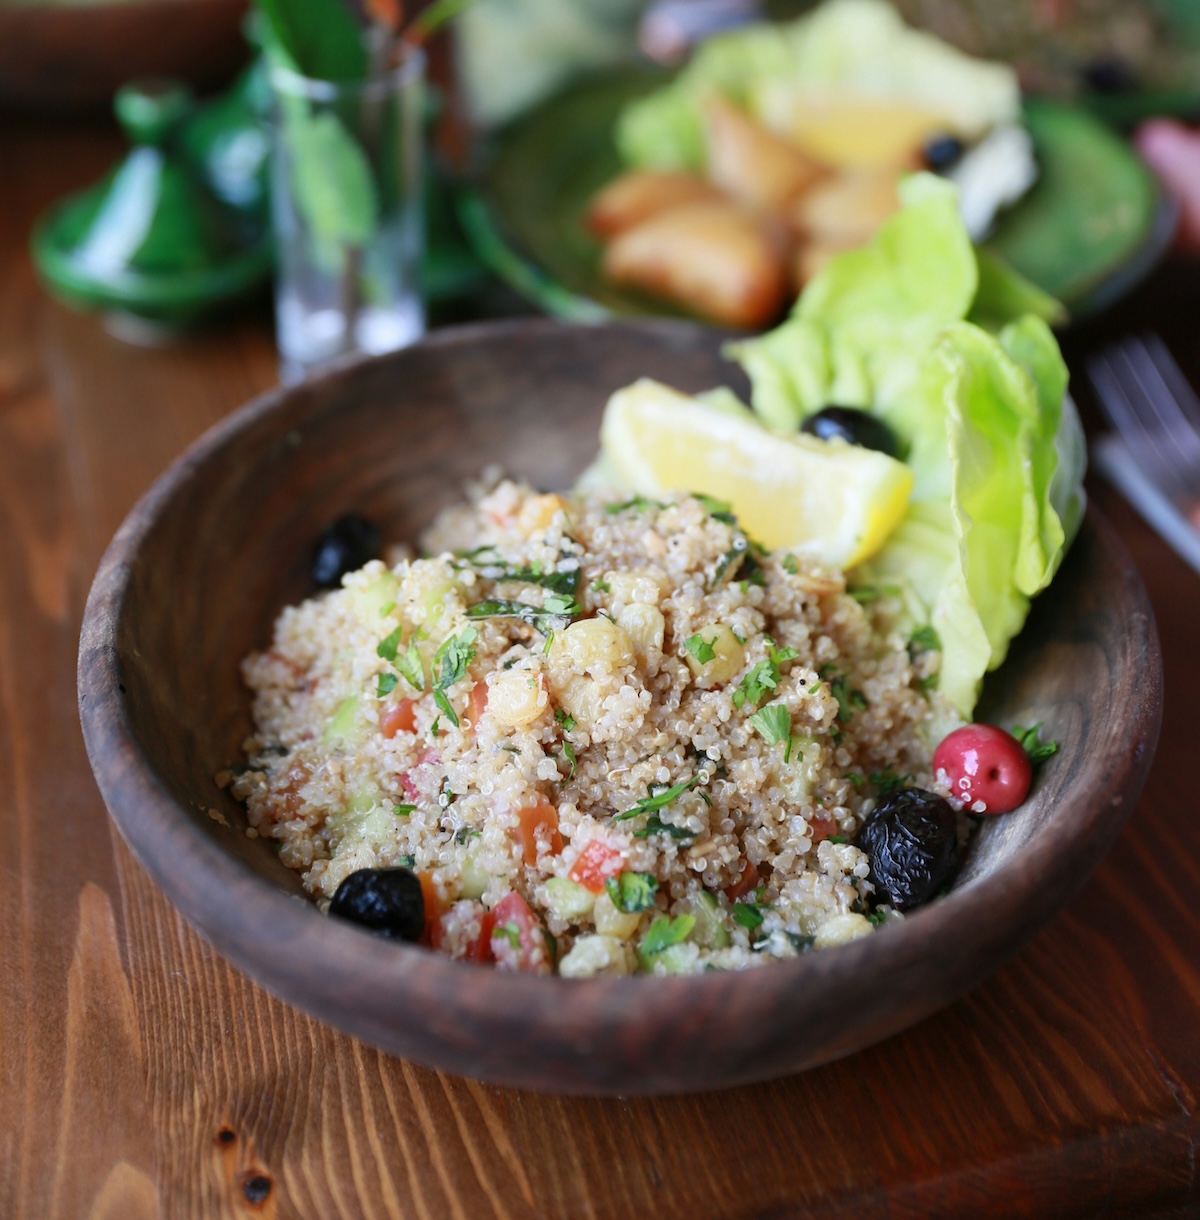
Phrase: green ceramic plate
(1094, 223)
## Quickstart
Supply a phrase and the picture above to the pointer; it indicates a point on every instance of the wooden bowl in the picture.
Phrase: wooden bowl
(201, 567)
(56, 56)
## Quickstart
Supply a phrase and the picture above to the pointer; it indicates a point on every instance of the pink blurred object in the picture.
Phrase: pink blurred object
(1172, 150)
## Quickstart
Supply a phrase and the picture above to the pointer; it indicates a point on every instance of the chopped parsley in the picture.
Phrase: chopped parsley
(454, 655)
(1038, 751)
(411, 666)
(443, 701)
(656, 826)
(719, 510)
(837, 839)
(402, 811)
(509, 931)
(763, 677)
(632, 891)
(790, 565)
(774, 724)
(729, 563)
(888, 781)
(637, 504)
(849, 700)
(665, 932)
(600, 586)
(700, 648)
(556, 582)
(545, 619)
(748, 914)
(389, 644)
(658, 799)
(405, 861)
(464, 834)
(386, 684)
(924, 639)
(565, 719)
(569, 755)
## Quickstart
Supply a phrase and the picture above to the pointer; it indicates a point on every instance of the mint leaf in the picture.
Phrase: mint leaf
(411, 666)
(665, 932)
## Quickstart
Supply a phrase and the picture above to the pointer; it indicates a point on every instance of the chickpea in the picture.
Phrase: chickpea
(641, 585)
(592, 644)
(516, 697)
(728, 656)
(645, 627)
(580, 697)
(537, 512)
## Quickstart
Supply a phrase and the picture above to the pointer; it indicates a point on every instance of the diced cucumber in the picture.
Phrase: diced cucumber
(569, 900)
(710, 931)
(346, 726)
(677, 959)
(474, 880)
(375, 598)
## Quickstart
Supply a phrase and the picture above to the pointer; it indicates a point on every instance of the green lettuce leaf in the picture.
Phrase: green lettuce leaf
(995, 445)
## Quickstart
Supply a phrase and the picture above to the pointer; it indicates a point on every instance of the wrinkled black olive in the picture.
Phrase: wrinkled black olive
(941, 152)
(387, 901)
(344, 546)
(912, 839)
(856, 426)
(1110, 73)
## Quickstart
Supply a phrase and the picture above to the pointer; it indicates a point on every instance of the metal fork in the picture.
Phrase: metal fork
(1150, 404)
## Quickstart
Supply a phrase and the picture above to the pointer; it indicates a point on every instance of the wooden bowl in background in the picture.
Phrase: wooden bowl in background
(199, 570)
(65, 56)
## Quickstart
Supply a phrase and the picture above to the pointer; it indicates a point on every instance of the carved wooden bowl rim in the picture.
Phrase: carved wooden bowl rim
(615, 1035)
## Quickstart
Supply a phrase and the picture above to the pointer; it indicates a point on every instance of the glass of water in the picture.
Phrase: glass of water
(346, 208)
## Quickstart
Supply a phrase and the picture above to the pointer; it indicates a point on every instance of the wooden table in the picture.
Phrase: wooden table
(141, 1076)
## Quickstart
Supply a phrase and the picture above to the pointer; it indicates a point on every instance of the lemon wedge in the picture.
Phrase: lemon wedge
(827, 500)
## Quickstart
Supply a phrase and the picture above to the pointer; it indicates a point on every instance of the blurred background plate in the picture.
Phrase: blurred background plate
(65, 56)
(1094, 223)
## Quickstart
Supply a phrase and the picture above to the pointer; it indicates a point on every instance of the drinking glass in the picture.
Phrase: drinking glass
(346, 207)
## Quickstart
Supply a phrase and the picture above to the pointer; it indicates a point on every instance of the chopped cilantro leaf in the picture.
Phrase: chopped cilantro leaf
(658, 799)
(632, 891)
(774, 724)
(888, 781)
(569, 755)
(560, 603)
(600, 586)
(389, 644)
(386, 684)
(700, 648)
(665, 932)
(763, 677)
(565, 719)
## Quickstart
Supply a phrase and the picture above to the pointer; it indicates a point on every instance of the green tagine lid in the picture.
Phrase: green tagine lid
(150, 240)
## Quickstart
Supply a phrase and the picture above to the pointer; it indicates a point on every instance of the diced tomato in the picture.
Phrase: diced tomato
(481, 951)
(745, 884)
(433, 911)
(399, 717)
(477, 703)
(534, 822)
(518, 940)
(596, 863)
(821, 827)
(409, 785)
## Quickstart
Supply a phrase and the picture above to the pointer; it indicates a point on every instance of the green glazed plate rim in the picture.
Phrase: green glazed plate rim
(523, 212)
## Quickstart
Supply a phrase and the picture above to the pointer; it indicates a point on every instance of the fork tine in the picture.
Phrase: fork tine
(1168, 430)
(1177, 427)
(1114, 395)
(1171, 375)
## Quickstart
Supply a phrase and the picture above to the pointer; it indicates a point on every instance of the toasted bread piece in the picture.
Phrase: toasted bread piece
(641, 193)
(751, 163)
(715, 257)
(847, 208)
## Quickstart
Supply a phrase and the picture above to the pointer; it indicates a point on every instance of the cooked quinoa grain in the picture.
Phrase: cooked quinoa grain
(615, 720)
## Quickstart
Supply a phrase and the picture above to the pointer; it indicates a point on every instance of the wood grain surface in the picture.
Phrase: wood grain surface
(141, 1076)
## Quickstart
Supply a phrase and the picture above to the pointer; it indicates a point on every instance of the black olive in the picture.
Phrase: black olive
(942, 151)
(344, 546)
(854, 425)
(1111, 73)
(387, 901)
(912, 839)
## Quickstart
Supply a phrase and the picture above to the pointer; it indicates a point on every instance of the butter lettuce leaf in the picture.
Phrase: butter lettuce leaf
(994, 443)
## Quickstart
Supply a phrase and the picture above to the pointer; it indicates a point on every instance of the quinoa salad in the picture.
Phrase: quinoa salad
(606, 734)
